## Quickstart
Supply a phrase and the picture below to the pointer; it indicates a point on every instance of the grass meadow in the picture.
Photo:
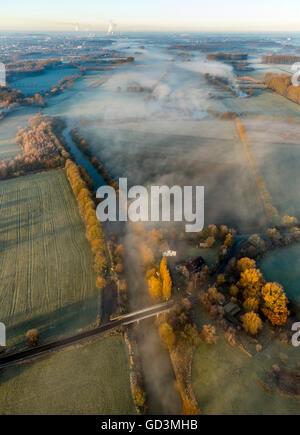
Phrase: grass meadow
(227, 381)
(93, 379)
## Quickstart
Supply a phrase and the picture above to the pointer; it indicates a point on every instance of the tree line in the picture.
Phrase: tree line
(43, 147)
(281, 59)
(87, 210)
(10, 98)
(282, 84)
(227, 56)
(179, 334)
(22, 67)
(220, 81)
(66, 81)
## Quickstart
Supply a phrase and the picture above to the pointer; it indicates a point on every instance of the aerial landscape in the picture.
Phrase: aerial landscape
(142, 316)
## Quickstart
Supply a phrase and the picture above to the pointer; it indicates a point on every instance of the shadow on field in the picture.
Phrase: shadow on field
(14, 203)
(15, 222)
(62, 322)
(109, 302)
(12, 372)
(19, 239)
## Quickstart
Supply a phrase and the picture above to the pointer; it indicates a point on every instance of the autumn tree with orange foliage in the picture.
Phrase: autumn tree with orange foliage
(234, 290)
(282, 84)
(251, 282)
(167, 335)
(100, 283)
(252, 323)
(275, 303)
(209, 334)
(289, 221)
(245, 263)
(150, 272)
(32, 337)
(228, 240)
(251, 304)
(166, 280)
(155, 287)
(160, 283)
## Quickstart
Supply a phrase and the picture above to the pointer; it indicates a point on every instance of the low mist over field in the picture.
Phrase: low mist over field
(130, 317)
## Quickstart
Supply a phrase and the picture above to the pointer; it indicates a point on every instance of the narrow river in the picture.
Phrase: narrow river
(82, 160)
(162, 397)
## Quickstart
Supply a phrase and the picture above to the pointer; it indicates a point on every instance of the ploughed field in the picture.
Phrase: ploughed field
(46, 267)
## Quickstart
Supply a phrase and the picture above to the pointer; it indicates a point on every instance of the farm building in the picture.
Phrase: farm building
(232, 311)
(191, 267)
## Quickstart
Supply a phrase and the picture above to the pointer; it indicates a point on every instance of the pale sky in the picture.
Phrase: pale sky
(182, 15)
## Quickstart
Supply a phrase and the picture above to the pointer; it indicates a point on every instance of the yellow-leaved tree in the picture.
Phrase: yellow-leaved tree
(160, 283)
(167, 335)
(251, 304)
(275, 303)
(251, 282)
(155, 287)
(228, 240)
(252, 323)
(166, 280)
(245, 263)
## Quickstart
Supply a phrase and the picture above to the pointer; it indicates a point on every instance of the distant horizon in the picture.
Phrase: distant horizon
(149, 30)
(179, 31)
(190, 16)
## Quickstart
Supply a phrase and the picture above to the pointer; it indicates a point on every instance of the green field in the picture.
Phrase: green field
(263, 102)
(46, 267)
(227, 381)
(89, 380)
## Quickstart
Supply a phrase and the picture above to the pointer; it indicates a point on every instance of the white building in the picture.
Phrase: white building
(169, 253)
